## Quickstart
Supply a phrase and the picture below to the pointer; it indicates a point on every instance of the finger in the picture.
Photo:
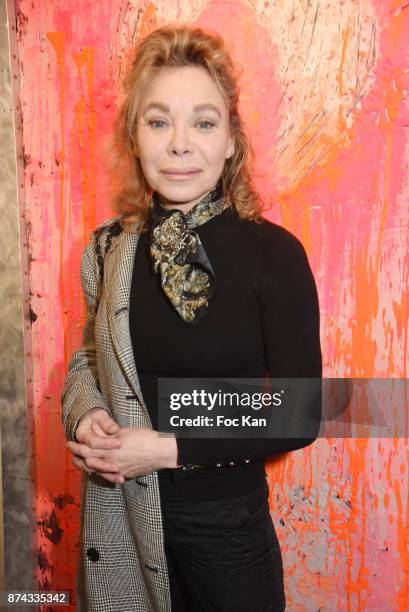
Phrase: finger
(105, 442)
(98, 465)
(83, 450)
(97, 429)
(97, 439)
(89, 449)
(79, 464)
(107, 424)
(95, 442)
(112, 477)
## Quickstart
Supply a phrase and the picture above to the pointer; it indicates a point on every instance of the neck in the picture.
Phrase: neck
(184, 207)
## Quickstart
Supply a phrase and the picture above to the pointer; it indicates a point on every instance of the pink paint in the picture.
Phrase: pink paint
(341, 185)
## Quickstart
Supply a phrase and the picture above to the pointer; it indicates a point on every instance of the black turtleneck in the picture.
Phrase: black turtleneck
(263, 319)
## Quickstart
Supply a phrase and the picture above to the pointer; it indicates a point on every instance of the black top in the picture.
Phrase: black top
(263, 319)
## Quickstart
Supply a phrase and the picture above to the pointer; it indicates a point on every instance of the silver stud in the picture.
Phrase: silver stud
(219, 464)
(247, 460)
(231, 462)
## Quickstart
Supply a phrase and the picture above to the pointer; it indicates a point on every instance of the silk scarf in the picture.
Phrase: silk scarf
(178, 255)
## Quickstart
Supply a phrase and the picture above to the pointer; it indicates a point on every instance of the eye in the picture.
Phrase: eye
(155, 121)
(210, 123)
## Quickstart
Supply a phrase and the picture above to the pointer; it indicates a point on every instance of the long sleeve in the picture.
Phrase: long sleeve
(81, 390)
(290, 326)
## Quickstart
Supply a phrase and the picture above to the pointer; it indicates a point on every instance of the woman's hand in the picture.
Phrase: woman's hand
(142, 452)
(94, 434)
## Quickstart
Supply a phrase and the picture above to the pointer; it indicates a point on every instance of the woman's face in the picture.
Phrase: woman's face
(183, 127)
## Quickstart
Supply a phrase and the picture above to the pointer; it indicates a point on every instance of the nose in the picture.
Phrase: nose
(179, 141)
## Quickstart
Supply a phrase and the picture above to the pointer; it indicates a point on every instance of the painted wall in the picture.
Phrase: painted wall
(325, 96)
(16, 482)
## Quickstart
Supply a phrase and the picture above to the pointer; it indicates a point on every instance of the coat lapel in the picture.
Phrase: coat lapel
(118, 278)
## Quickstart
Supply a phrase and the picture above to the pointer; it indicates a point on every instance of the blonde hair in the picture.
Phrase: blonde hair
(175, 46)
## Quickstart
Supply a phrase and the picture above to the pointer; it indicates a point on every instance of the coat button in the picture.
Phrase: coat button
(92, 554)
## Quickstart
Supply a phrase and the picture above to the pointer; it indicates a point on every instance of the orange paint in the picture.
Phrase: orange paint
(336, 106)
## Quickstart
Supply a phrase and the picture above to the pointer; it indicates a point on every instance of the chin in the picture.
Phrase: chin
(182, 193)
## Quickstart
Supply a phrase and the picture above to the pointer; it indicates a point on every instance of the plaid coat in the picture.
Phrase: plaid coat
(122, 564)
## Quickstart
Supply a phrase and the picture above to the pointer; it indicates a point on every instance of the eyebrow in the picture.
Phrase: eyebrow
(198, 108)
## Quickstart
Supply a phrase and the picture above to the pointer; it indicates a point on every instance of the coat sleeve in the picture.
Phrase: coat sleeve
(289, 312)
(81, 390)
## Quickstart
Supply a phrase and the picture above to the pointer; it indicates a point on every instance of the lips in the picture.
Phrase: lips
(184, 172)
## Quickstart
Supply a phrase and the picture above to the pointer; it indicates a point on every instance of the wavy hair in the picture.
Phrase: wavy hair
(175, 46)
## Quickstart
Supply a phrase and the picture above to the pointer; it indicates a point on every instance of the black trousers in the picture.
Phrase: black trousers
(223, 555)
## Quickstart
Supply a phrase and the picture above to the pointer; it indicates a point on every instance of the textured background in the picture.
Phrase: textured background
(15, 412)
(325, 96)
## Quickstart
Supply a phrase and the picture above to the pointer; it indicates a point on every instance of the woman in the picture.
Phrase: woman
(188, 281)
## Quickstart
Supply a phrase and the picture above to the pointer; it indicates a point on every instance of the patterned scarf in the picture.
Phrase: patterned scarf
(178, 256)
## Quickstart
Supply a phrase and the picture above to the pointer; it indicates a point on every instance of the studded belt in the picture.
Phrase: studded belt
(186, 470)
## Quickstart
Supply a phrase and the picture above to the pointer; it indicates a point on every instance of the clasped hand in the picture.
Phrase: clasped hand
(117, 453)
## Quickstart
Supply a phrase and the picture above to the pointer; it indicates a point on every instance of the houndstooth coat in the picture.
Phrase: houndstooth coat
(122, 565)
